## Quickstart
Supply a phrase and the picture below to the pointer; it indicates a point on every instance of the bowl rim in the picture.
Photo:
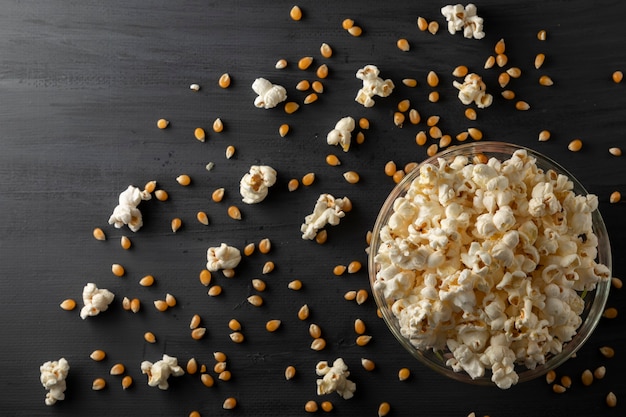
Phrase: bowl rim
(592, 312)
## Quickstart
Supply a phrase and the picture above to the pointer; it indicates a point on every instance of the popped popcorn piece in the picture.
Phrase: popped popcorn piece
(96, 300)
(222, 257)
(342, 133)
(269, 95)
(327, 210)
(464, 19)
(335, 379)
(53, 378)
(489, 260)
(472, 90)
(159, 372)
(373, 85)
(126, 212)
(255, 184)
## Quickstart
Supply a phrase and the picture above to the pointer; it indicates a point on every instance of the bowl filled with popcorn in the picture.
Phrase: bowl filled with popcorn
(490, 263)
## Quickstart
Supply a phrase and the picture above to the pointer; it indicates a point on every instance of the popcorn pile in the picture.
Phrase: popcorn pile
(487, 260)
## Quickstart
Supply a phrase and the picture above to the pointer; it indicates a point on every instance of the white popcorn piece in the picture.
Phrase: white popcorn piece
(335, 379)
(269, 95)
(126, 212)
(327, 210)
(373, 85)
(489, 260)
(342, 133)
(159, 372)
(53, 378)
(254, 185)
(96, 300)
(222, 257)
(464, 19)
(472, 90)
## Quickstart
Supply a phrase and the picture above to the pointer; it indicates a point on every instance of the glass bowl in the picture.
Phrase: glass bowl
(436, 356)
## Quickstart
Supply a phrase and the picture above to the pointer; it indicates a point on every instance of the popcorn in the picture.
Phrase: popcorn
(472, 90)
(373, 85)
(254, 185)
(126, 212)
(488, 260)
(464, 19)
(159, 372)
(222, 257)
(335, 379)
(269, 95)
(327, 210)
(53, 376)
(96, 300)
(342, 133)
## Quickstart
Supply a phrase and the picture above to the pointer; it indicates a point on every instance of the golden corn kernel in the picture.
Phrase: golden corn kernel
(383, 409)
(490, 62)
(194, 414)
(305, 62)
(127, 382)
(118, 270)
(501, 60)
(615, 151)
(351, 177)
(117, 369)
(322, 71)
(410, 82)
(432, 121)
(291, 107)
(207, 380)
(225, 375)
(474, 133)
(368, 364)
(303, 312)
(224, 80)
(303, 85)
(410, 166)
(432, 79)
(281, 64)
(403, 45)
(586, 377)
(359, 326)
(310, 406)
(295, 285)
(147, 281)
(347, 24)
(98, 355)
(354, 267)
(199, 134)
(398, 118)
(363, 339)
(500, 47)
(433, 96)
(161, 195)
(256, 300)
(183, 180)
(542, 35)
(432, 150)
(422, 24)
(325, 50)
(234, 213)
(98, 384)
(566, 381)
(327, 406)
(360, 138)
(433, 27)
(170, 300)
(404, 105)
(616, 282)
(198, 333)
(350, 295)
(218, 125)
(162, 123)
(421, 138)
(217, 195)
(265, 245)
(461, 137)
(599, 372)
(98, 234)
(445, 141)
(558, 388)
(160, 305)
(318, 344)
(125, 242)
(550, 376)
(575, 145)
(126, 303)
(228, 273)
(607, 351)
(322, 236)
(68, 304)
(460, 71)
(290, 372)
(471, 114)
(283, 130)
(503, 79)
(214, 291)
(390, 168)
(317, 86)
(544, 135)
(234, 325)
(202, 217)
(237, 337)
(176, 224)
(195, 321)
(539, 60)
(249, 249)
(361, 296)
(220, 356)
(617, 77)
(308, 179)
(135, 305)
(339, 270)
(149, 337)
(205, 277)
(611, 399)
(293, 185)
(295, 13)
(355, 31)
(514, 72)
(610, 313)
(230, 151)
(435, 132)
(268, 267)
(258, 284)
(398, 175)
(615, 197)
(347, 205)
(546, 81)
(332, 160)
(272, 325)
(311, 98)
(522, 106)
(220, 366)
(404, 374)
(508, 94)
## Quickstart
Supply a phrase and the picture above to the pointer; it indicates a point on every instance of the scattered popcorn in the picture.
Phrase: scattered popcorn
(126, 211)
(222, 257)
(464, 19)
(327, 210)
(159, 372)
(488, 260)
(254, 185)
(373, 85)
(473, 91)
(53, 376)
(269, 95)
(335, 379)
(96, 300)
(342, 133)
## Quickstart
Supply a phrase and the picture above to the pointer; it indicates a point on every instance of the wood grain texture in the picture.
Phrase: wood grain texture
(82, 84)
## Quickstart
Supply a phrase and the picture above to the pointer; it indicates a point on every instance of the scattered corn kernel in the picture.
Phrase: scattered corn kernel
(237, 337)
(404, 374)
(432, 121)
(500, 47)
(501, 60)
(218, 125)
(318, 344)
(214, 291)
(258, 284)
(118, 270)
(544, 135)
(162, 123)
(147, 281)
(230, 151)
(317, 86)
(433, 27)
(354, 267)
(615, 197)
(98, 384)
(432, 150)
(339, 270)
(310, 406)
(325, 50)
(359, 326)
(198, 333)
(207, 380)
(522, 105)
(351, 177)
(587, 377)
(610, 313)
(217, 195)
(160, 305)
(432, 79)
(125, 242)
(398, 118)
(617, 77)
(295, 13)
(355, 31)
(291, 107)
(539, 60)
(303, 312)
(363, 340)
(616, 282)
(558, 388)
(234, 213)
(433, 96)
(293, 185)
(403, 45)
(504, 79)
(611, 399)
(475, 133)
(575, 145)
(272, 325)
(390, 168)
(149, 337)
(566, 381)
(327, 406)
(98, 234)
(256, 300)
(615, 151)
(599, 372)
(322, 236)
(460, 71)
(315, 331)
(117, 369)
(170, 300)
(490, 62)
(347, 24)
(361, 296)
(268, 267)
(410, 166)
(461, 137)
(435, 132)
(295, 285)
(281, 64)
(98, 355)
(546, 81)
(127, 381)
(161, 195)
(283, 130)
(368, 364)
(322, 71)
(175, 224)
(508, 94)
(421, 138)
(332, 160)
(224, 80)
(68, 304)
(383, 409)
(205, 277)
(305, 62)
(471, 114)
(290, 372)
(410, 82)
(550, 376)
(308, 179)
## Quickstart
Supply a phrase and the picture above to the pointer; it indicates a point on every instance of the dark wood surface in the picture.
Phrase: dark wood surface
(82, 84)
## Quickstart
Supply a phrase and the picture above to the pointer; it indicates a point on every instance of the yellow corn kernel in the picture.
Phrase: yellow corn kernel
(490, 62)
(544, 135)
(475, 133)
(224, 80)
(272, 325)
(332, 160)
(508, 94)
(234, 213)
(433, 96)
(291, 107)
(390, 168)
(617, 77)
(354, 267)
(68, 304)
(311, 98)
(542, 35)
(322, 71)
(421, 138)
(460, 71)
(363, 339)
(258, 284)
(433, 27)
(256, 300)
(202, 217)
(351, 177)
(432, 150)
(237, 337)
(432, 121)
(383, 409)
(305, 62)
(317, 86)
(207, 380)
(308, 179)
(546, 81)
(360, 138)
(355, 31)
(522, 106)
(539, 60)
(199, 134)
(125, 242)
(293, 185)
(218, 125)
(127, 381)
(359, 326)
(303, 312)
(98, 384)
(295, 285)
(117, 369)
(295, 13)
(98, 234)
(368, 364)
(162, 123)
(403, 45)
(176, 223)
(283, 130)
(339, 270)
(310, 406)
(471, 114)
(160, 305)
(205, 277)
(404, 105)
(575, 145)
(347, 24)
(322, 236)
(147, 281)
(410, 82)
(398, 175)
(501, 60)
(118, 270)
(217, 195)
(290, 372)
(303, 85)
(432, 79)
(326, 51)
(404, 374)
(229, 403)
(318, 344)
(500, 47)
(98, 355)
(149, 337)
(268, 267)
(398, 118)
(422, 24)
